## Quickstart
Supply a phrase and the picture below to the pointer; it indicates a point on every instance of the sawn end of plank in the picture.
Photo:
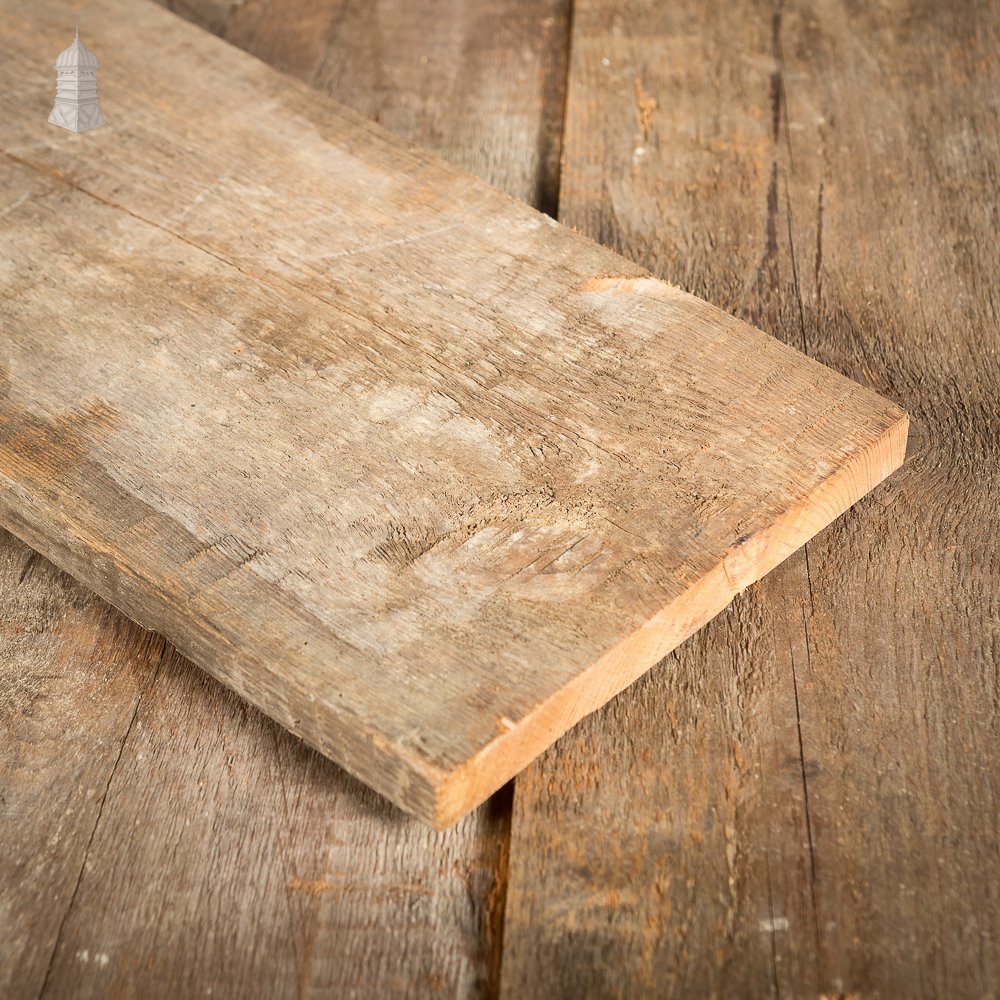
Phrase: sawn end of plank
(748, 560)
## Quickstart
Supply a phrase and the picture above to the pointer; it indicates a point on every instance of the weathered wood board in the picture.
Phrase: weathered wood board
(422, 474)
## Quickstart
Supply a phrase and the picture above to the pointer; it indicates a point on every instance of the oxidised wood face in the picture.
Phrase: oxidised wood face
(405, 463)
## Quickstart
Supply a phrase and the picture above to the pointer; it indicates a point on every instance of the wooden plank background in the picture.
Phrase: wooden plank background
(820, 816)
(803, 800)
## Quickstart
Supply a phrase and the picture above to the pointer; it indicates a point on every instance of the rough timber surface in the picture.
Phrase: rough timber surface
(415, 470)
(133, 786)
(802, 801)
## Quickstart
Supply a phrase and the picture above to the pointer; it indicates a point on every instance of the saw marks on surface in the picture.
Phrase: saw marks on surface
(321, 342)
(156, 831)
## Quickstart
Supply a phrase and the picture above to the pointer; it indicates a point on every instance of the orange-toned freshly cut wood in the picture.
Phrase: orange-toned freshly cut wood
(422, 474)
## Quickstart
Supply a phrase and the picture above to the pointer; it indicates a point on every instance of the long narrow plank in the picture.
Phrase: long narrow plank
(439, 440)
(802, 800)
(386, 872)
(357, 900)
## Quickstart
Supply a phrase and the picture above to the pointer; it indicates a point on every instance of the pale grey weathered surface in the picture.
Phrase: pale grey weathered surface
(714, 686)
(438, 442)
(161, 839)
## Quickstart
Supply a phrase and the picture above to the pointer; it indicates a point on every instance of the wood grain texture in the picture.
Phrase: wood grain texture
(438, 440)
(343, 895)
(72, 672)
(497, 73)
(161, 839)
(803, 799)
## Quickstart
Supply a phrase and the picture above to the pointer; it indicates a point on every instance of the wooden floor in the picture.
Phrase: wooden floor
(803, 800)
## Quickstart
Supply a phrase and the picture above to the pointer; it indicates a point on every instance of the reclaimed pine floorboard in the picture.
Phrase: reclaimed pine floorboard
(161, 838)
(416, 470)
(802, 800)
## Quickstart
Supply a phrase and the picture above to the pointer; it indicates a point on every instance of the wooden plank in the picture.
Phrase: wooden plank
(255, 868)
(71, 675)
(370, 904)
(802, 800)
(438, 439)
